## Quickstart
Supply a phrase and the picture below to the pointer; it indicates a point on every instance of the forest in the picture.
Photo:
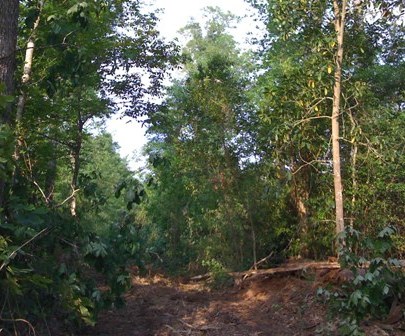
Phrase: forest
(290, 151)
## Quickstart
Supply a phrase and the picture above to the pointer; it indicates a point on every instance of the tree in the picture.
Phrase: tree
(340, 21)
(83, 64)
(8, 43)
(198, 146)
(299, 71)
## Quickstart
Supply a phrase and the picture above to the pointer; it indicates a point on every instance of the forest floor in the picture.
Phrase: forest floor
(276, 305)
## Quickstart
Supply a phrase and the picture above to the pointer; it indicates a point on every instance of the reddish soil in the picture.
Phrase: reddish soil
(280, 305)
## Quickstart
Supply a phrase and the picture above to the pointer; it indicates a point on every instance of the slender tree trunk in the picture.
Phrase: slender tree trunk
(353, 159)
(22, 98)
(354, 181)
(50, 176)
(300, 192)
(340, 13)
(29, 55)
(252, 228)
(8, 44)
(75, 160)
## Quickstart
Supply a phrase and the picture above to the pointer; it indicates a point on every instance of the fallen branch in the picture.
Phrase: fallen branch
(201, 277)
(201, 328)
(286, 269)
(261, 261)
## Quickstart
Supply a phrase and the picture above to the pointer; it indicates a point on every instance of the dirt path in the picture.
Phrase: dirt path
(282, 305)
(158, 306)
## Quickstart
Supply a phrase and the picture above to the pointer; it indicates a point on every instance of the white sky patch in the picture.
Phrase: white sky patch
(127, 132)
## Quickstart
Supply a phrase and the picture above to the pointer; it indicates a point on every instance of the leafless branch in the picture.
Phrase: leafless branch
(41, 191)
(261, 261)
(311, 118)
(310, 163)
(12, 254)
(74, 192)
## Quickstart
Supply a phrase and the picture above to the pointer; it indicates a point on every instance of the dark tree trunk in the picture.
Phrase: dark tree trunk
(8, 44)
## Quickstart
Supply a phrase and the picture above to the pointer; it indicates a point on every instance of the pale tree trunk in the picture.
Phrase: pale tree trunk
(8, 45)
(340, 13)
(75, 161)
(29, 55)
(22, 98)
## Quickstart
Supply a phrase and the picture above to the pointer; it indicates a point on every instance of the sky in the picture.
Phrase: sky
(127, 132)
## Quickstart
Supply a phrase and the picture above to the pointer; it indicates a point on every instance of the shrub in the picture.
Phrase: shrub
(377, 283)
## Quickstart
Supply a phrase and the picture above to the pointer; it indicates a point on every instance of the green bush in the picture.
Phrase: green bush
(51, 268)
(377, 283)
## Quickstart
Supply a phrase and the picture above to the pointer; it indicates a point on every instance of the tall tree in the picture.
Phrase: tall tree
(9, 10)
(340, 20)
(200, 139)
(295, 100)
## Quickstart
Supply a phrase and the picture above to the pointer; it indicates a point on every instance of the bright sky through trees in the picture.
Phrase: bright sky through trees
(175, 14)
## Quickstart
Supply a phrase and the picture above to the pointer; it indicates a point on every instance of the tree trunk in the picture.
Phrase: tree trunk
(29, 55)
(8, 44)
(51, 171)
(340, 13)
(22, 98)
(75, 161)
(353, 159)
(300, 198)
(300, 193)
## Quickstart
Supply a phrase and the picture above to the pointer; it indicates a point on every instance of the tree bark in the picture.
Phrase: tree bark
(300, 193)
(340, 13)
(8, 44)
(75, 161)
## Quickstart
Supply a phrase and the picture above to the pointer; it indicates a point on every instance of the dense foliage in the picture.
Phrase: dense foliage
(240, 161)
(66, 218)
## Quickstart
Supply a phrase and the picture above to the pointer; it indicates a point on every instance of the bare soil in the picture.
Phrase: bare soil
(278, 305)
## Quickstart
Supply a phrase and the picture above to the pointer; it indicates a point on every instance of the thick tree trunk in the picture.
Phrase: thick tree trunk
(8, 44)
(340, 13)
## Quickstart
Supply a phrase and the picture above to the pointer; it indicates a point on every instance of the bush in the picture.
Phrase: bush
(377, 283)
(50, 268)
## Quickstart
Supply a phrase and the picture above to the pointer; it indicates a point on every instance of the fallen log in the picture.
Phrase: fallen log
(286, 269)
(283, 270)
